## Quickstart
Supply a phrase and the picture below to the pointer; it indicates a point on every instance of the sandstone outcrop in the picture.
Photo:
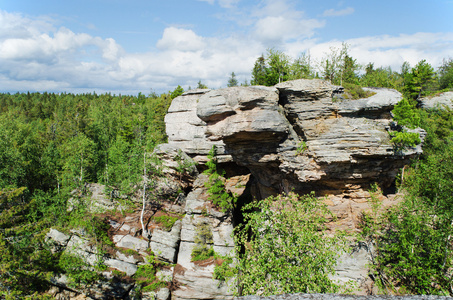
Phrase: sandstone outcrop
(297, 136)
(292, 136)
(438, 101)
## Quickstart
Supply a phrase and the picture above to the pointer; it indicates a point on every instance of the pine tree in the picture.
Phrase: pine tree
(232, 81)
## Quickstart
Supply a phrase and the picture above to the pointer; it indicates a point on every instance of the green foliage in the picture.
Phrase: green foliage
(413, 240)
(381, 77)
(78, 270)
(403, 140)
(25, 262)
(201, 85)
(406, 113)
(146, 275)
(259, 72)
(51, 145)
(353, 91)
(184, 165)
(418, 80)
(203, 240)
(118, 273)
(178, 91)
(370, 221)
(130, 252)
(217, 192)
(301, 148)
(338, 67)
(95, 227)
(277, 67)
(166, 222)
(202, 252)
(301, 67)
(349, 69)
(232, 81)
(446, 74)
(225, 269)
(284, 247)
(414, 252)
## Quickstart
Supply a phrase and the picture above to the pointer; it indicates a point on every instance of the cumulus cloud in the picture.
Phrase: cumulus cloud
(274, 30)
(33, 53)
(278, 21)
(337, 13)
(37, 55)
(180, 39)
(387, 50)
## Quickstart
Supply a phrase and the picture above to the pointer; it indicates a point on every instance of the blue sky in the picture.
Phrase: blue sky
(131, 46)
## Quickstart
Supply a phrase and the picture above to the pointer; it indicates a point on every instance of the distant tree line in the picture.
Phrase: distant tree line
(340, 68)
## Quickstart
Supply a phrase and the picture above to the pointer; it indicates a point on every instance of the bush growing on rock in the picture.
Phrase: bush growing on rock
(284, 247)
(203, 243)
(217, 192)
(414, 248)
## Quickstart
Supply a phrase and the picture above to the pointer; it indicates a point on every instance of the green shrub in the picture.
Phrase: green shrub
(166, 221)
(77, 269)
(301, 148)
(225, 270)
(282, 247)
(354, 92)
(217, 192)
(202, 252)
(403, 140)
(414, 251)
(146, 275)
(406, 113)
(130, 252)
(203, 239)
(118, 273)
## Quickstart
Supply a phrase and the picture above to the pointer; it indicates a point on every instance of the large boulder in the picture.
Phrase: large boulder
(185, 129)
(439, 101)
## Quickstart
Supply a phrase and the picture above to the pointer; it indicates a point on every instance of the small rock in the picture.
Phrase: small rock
(130, 242)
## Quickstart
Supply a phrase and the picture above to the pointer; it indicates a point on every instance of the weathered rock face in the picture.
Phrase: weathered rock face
(185, 130)
(294, 136)
(188, 279)
(444, 99)
(298, 135)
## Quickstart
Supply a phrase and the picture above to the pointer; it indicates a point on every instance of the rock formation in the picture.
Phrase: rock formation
(299, 135)
(443, 99)
(296, 135)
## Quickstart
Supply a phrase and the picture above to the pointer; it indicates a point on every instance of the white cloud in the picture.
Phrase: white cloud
(278, 22)
(276, 30)
(180, 39)
(336, 13)
(228, 3)
(386, 50)
(223, 3)
(34, 55)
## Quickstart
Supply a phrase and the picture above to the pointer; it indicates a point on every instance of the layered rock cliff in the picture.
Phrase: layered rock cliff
(298, 136)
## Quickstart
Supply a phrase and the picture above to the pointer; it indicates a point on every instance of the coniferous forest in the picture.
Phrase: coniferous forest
(54, 144)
